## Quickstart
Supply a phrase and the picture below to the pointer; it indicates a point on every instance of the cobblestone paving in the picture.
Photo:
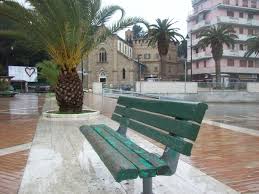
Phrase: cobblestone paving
(18, 121)
(230, 157)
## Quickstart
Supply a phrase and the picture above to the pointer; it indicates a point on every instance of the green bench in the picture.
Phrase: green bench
(174, 124)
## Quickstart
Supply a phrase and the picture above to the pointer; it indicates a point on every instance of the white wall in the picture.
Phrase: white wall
(253, 87)
(97, 88)
(167, 87)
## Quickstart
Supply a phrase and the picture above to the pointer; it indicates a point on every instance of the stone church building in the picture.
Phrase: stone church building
(117, 62)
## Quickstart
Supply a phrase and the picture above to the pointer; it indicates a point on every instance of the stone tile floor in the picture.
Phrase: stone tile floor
(18, 121)
(228, 156)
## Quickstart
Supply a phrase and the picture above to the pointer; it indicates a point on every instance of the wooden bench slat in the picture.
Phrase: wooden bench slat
(174, 142)
(160, 165)
(145, 169)
(183, 110)
(118, 165)
(181, 128)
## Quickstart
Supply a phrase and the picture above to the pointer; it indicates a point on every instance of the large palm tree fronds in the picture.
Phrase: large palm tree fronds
(252, 46)
(162, 34)
(216, 37)
(67, 30)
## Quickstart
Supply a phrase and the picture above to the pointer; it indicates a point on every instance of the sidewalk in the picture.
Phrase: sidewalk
(18, 121)
(228, 156)
(62, 161)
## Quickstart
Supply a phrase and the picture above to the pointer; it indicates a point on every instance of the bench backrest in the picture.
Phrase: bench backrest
(168, 122)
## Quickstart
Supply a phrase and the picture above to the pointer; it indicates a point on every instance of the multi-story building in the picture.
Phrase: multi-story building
(111, 63)
(150, 58)
(243, 15)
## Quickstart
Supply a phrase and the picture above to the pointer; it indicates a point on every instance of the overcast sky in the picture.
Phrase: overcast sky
(150, 10)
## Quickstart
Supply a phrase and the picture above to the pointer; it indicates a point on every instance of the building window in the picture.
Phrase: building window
(196, 50)
(230, 13)
(253, 4)
(197, 64)
(241, 47)
(169, 69)
(250, 31)
(243, 63)
(102, 56)
(231, 47)
(226, 2)
(231, 62)
(123, 74)
(205, 64)
(237, 3)
(241, 14)
(245, 3)
(146, 56)
(241, 30)
(120, 46)
(156, 69)
(257, 64)
(250, 16)
(250, 63)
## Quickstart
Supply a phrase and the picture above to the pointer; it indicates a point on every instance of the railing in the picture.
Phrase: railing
(116, 93)
(227, 86)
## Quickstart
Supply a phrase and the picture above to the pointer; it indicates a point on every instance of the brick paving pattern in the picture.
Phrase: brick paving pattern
(11, 171)
(230, 157)
(18, 121)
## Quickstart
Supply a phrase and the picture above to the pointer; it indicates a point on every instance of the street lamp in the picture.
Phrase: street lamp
(187, 37)
(139, 72)
(139, 66)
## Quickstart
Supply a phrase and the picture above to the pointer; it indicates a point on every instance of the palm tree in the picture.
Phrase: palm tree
(162, 34)
(67, 30)
(216, 37)
(252, 46)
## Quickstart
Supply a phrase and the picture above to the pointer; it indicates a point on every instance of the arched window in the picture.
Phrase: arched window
(123, 74)
(102, 56)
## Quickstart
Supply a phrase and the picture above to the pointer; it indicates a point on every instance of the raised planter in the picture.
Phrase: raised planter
(7, 93)
(86, 114)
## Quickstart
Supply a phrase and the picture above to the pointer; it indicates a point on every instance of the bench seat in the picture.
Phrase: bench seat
(124, 159)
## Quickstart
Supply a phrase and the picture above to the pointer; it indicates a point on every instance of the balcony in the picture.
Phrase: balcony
(201, 24)
(238, 8)
(240, 21)
(244, 37)
(202, 55)
(237, 53)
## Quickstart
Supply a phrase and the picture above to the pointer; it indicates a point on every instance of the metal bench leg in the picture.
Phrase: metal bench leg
(147, 185)
(172, 158)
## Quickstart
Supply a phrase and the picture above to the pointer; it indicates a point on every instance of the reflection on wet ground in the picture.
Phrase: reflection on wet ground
(18, 121)
(238, 114)
(230, 157)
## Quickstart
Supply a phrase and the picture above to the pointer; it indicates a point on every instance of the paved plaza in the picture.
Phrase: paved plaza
(60, 160)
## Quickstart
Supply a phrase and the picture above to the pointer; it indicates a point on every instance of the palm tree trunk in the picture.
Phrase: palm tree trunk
(69, 92)
(218, 72)
(163, 67)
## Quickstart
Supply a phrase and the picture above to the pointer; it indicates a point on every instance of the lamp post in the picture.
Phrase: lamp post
(139, 72)
(185, 62)
(187, 37)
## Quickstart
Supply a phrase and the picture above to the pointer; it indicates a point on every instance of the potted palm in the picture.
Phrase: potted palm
(67, 30)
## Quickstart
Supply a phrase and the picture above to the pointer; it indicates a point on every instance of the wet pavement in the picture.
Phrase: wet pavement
(18, 121)
(229, 156)
(244, 115)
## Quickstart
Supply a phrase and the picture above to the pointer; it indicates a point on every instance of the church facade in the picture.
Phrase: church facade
(117, 62)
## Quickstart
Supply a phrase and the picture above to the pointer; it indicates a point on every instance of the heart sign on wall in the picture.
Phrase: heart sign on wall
(30, 71)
